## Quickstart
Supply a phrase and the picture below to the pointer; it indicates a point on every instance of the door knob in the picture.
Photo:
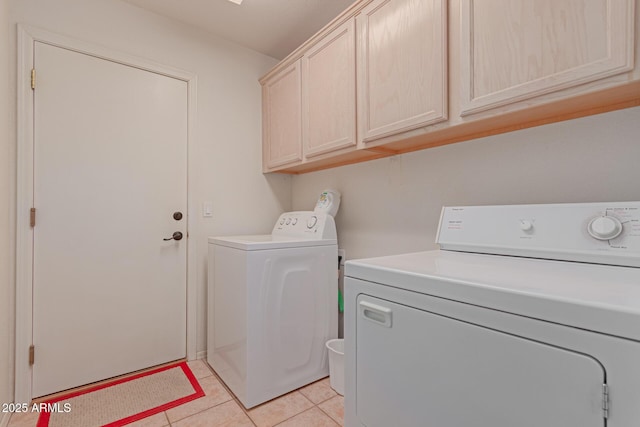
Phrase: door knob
(176, 236)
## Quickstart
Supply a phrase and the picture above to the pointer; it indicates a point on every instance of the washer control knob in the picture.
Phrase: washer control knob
(288, 221)
(312, 221)
(282, 221)
(526, 225)
(604, 228)
(294, 221)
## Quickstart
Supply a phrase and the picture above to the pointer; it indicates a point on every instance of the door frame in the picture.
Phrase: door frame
(27, 36)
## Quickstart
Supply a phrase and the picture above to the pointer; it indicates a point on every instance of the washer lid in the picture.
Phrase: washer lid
(599, 298)
(267, 241)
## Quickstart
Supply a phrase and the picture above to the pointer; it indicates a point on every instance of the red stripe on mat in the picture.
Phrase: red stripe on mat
(43, 420)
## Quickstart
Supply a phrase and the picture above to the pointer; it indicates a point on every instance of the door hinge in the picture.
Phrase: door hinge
(33, 78)
(32, 217)
(32, 355)
(605, 400)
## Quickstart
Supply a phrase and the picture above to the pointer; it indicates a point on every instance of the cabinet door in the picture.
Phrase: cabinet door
(517, 49)
(402, 66)
(329, 94)
(282, 128)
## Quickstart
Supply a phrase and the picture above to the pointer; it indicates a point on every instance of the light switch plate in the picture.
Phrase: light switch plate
(207, 209)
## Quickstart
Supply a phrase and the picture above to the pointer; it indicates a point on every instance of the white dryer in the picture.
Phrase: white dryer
(528, 316)
(272, 305)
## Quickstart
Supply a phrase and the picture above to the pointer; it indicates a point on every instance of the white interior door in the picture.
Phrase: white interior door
(109, 295)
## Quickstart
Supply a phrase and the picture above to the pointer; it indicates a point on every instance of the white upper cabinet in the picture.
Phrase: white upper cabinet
(329, 93)
(513, 50)
(402, 66)
(281, 123)
(392, 76)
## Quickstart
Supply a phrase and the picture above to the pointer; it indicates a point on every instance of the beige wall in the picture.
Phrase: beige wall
(228, 128)
(392, 205)
(6, 270)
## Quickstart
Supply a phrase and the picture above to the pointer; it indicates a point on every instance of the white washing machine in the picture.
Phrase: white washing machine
(273, 304)
(528, 316)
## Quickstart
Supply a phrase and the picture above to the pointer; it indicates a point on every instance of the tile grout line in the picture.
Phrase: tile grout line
(228, 390)
(198, 380)
(206, 409)
(306, 410)
(245, 410)
(295, 415)
(328, 414)
(322, 401)
(233, 396)
(199, 412)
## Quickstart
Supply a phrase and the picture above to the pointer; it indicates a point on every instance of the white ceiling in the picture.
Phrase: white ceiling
(273, 27)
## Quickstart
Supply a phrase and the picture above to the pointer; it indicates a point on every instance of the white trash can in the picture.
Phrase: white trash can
(336, 364)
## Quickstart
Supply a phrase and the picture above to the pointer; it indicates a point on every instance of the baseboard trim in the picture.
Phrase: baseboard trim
(199, 355)
(4, 421)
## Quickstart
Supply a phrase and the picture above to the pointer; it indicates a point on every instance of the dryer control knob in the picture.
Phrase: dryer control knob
(312, 221)
(526, 225)
(605, 228)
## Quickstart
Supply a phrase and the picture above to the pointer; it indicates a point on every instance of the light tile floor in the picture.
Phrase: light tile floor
(315, 405)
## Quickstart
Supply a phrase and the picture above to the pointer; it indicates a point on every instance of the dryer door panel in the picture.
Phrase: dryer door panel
(418, 368)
